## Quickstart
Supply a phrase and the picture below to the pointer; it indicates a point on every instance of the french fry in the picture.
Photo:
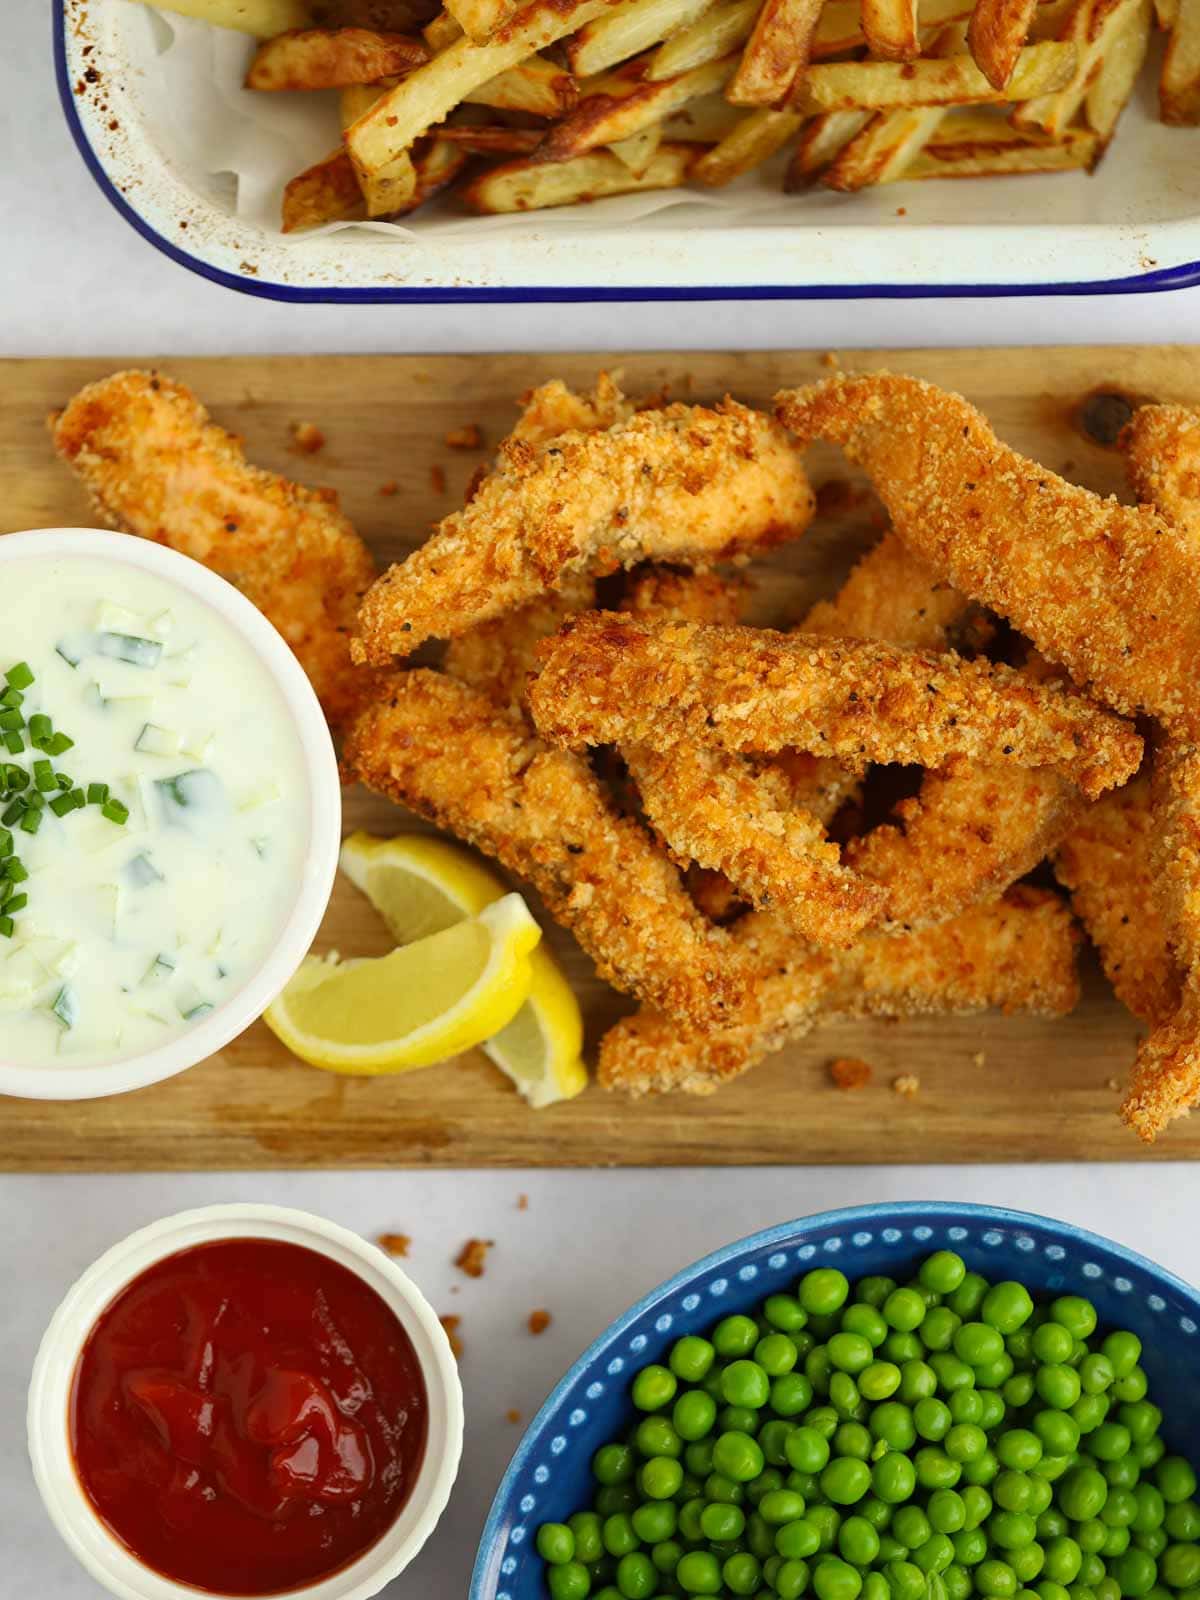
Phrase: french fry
(1166, 13)
(637, 152)
(535, 185)
(328, 191)
(754, 140)
(394, 188)
(438, 162)
(1179, 85)
(717, 32)
(441, 32)
(626, 30)
(853, 85)
(535, 85)
(963, 149)
(840, 29)
(996, 35)
(1109, 91)
(1092, 27)
(1049, 20)
(625, 108)
(428, 95)
(890, 29)
(821, 139)
(881, 153)
(703, 121)
(261, 18)
(776, 53)
(332, 58)
(491, 140)
(480, 19)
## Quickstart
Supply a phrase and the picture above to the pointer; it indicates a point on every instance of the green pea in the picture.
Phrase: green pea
(843, 1395)
(769, 1479)
(996, 1578)
(904, 1310)
(1119, 1509)
(655, 1521)
(1135, 1571)
(775, 1354)
(952, 1372)
(994, 1409)
(699, 1572)
(1096, 1373)
(609, 1591)
(735, 1336)
(943, 1271)
(858, 1541)
(1090, 1536)
(614, 1497)
(1011, 1530)
(1132, 1387)
(824, 1419)
(1041, 1494)
(689, 1519)
(619, 1534)
(911, 1526)
(879, 1380)
(1154, 1541)
(890, 1549)
(1063, 1560)
(958, 1582)
(636, 1577)
(691, 1358)
(719, 1523)
(894, 1424)
(1151, 1509)
(1027, 1562)
(1176, 1481)
(1018, 1390)
(1019, 1449)
(933, 1418)
(780, 1506)
(760, 1537)
(1077, 1316)
(997, 1373)
(657, 1436)
(1019, 1344)
(1058, 1386)
(918, 1381)
(1150, 1453)
(1051, 1524)
(797, 1540)
(1180, 1566)
(1081, 1591)
(935, 1469)
(791, 1579)
(1182, 1520)
(1142, 1418)
(741, 1574)
(587, 1530)
(970, 1546)
(1047, 1589)
(791, 1394)
(1006, 1306)
(850, 1352)
(653, 1388)
(875, 1587)
(874, 1291)
(1052, 1343)
(893, 1478)
(737, 1419)
(698, 1457)
(939, 1327)
(1082, 1493)
(613, 1463)
(966, 1300)
(978, 1344)
(852, 1439)
(946, 1511)
(966, 1405)
(694, 1415)
(823, 1291)
(984, 1470)
(1124, 1472)
(1090, 1411)
(555, 1543)
(738, 1456)
(807, 1450)
(728, 1490)
(935, 1554)
(826, 1520)
(845, 1480)
(978, 1504)
(867, 1322)
(836, 1580)
(1013, 1491)
(1116, 1542)
(744, 1383)
(966, 1441)
(570, 1581)
(1057, 1432)
(784, 1311)
(875, 1511)
(1124, 1351)
(772, 1438)
(661, 1478)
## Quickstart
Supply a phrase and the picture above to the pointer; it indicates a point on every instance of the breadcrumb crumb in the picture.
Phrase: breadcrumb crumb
(396, 1244)
(452, 1325)
(437, 478)
(849, 1073)
(467, 438)
(907, 1085)
(512, 1416)
(978, 1058)
(539, 1321)
(472, 1258)
(389, 488)
(522, 1202)
(307, 438)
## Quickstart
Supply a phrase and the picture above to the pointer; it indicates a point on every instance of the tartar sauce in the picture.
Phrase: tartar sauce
(172, 814)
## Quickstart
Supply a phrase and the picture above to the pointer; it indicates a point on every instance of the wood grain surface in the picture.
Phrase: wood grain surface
(991, 1088)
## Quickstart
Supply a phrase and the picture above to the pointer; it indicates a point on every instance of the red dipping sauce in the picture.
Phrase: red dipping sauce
(248, 1416)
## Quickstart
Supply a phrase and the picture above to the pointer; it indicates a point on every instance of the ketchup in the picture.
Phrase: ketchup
(247, 1417)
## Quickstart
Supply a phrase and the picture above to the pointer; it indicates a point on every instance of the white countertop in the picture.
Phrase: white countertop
(77, 281)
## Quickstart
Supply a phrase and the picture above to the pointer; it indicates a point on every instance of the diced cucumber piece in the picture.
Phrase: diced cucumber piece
(191, 795)
(74, 647)
(141, 872)
(194, 1013)
(160, 967)
(128, 647)
(66, 1006)
(162, 625)
(111, 618)
(156, 741)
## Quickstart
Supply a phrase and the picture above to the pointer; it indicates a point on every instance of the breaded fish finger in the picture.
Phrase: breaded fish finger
(1110, 591)
(893, 596)
(155, 465)
(684, 483)
(609, 678)
(1016, 953)
(497, 657)
(449, 754)
(1162, 457)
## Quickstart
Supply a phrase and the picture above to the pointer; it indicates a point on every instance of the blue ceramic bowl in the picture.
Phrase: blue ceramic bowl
(550, 1475)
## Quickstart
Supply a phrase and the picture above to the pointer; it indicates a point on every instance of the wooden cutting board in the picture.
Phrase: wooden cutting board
(991, 1088)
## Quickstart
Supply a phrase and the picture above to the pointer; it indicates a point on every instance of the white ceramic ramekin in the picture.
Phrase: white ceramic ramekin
(50, 1390)
(53, 1081)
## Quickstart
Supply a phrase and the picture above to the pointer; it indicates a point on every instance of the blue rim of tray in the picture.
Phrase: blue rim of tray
(1184, 276)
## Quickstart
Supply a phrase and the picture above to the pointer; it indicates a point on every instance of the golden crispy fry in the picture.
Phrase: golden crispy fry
(261, 18)
(715, 33)
(534, 184)
(328, 191)
(1111, 591)
(776, 54)
(966, 150)
(752, 141)
(1179, 85)
(535, 85)
(682, 483)
(840, 29)
(1106, 861)
(492, 140)
(610, 678)
(1017, 954)
(1166, 1075)
(996, 35)
(704, 121)
(393, 189)
(884, 149)
(448, 753)
(155, 465)
(821, 138)
(850, 85)
(625, 107)
(628, 28)
(890, 29)
(332, 58)
(1162, 457)
(639, 149)
(1110, 90)
(479, 19)
(1093, 27)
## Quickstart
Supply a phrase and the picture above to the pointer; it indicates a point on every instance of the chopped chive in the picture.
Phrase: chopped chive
(43, 776)
(17, 903)
(63, 781)
(78, 799)
(34, 801)
(30, 822)
(62, 805)
(7, 927)
(20, 676)
(11, 721)
(14, 743)
(97, 794)
(59, 744)
(11, 699)
(7, 890)
(40, 729)
(17, 778)
(116, 811)
(14, 870)
(13, 813)
(6, 843)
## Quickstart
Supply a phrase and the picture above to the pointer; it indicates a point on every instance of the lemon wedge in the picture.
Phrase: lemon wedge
(421, 885)
(428, 1000)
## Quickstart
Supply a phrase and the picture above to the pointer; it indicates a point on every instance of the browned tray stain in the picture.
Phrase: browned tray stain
(991, 1088)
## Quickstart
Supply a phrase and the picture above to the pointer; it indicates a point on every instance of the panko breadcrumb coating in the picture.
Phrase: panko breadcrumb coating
(684, 483)
(448, 753)
(893, 596)
(1110, 591)
(497, 657)
(1016, 953)
(609, 678)
(155, 465)
(1162, 457)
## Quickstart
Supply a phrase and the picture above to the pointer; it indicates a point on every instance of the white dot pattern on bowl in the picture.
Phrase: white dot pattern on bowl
(781, 1265)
